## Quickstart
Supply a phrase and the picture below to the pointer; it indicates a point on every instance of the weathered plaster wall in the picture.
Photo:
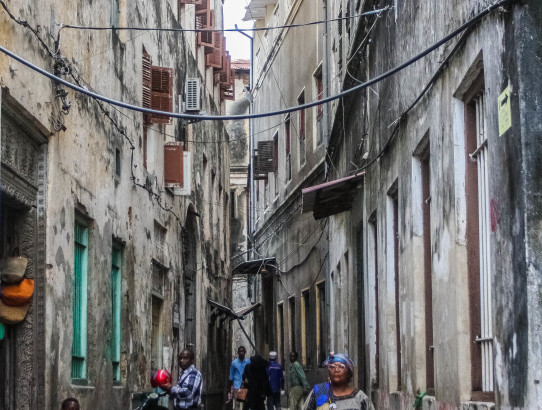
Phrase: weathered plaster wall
(409, 29)
(81, 179)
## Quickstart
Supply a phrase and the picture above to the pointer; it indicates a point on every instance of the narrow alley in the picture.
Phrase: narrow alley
(270, 204)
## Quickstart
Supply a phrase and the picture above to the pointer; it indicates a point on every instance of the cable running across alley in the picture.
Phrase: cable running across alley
(359, 87)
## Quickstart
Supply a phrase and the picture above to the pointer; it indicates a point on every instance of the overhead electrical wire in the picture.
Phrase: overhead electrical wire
(344, 93)
(197, 30)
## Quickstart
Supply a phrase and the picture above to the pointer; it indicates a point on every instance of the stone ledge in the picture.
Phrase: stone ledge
(477, 405)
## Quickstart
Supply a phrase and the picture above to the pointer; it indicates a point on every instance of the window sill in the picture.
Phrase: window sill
(82, 384)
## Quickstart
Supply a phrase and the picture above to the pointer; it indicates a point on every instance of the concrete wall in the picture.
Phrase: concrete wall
(368, 131)
(438, 117)
(157, 233)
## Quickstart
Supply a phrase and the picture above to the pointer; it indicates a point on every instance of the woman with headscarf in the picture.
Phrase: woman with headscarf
(256, 381)
(337, 392)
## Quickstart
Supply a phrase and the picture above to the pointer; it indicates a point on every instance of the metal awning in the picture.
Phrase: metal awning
(224, 310)
(249, 309)
(256, 9)
(253, 266)
(332, 197)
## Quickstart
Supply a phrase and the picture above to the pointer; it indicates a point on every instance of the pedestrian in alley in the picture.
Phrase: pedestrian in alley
(70, 403)
(276, 380)
(338, 392)
(237, 368)
(186, 394)
(256, 381)
(298, 383)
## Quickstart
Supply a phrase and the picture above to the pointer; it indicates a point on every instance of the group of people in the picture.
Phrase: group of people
(261, 381)
(264, 382)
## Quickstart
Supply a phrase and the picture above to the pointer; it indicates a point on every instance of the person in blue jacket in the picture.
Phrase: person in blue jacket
(276, 380)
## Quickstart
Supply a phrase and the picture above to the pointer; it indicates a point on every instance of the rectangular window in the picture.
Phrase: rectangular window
(287, 148)
(116, 295)
(318, 112)
(79, 343)
(392, 250)
(321, 322)
(301, 101)
(305, 326)
(276, 161)
(427, 270)
(156, 335)
(291, 303)
(478, 239)
(372, 266)
(280, 331)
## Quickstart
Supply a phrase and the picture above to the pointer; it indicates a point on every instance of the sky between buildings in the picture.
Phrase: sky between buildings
(237, 44)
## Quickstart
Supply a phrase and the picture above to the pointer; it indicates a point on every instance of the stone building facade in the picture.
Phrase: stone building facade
(127, 271)
(426, 196)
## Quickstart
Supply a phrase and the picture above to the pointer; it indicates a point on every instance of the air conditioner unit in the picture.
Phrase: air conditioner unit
(193, 101)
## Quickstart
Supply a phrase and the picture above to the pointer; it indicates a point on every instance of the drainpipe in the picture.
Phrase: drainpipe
(325, 86)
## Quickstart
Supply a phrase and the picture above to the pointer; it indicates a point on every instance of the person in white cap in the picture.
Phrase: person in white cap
(276, 380)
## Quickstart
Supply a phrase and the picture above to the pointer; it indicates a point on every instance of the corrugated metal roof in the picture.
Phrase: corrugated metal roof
(331, 197)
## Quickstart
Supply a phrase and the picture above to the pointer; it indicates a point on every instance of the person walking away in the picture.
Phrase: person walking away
(256, 381)
(298, 383)
(186, 394)
(337, 392)
(276, 381)
(237, 368)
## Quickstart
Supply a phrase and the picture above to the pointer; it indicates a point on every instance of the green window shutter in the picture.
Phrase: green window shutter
(79, 344)
(115, 311)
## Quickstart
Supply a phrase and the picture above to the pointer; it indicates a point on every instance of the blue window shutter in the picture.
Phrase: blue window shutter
(79, 344)
(116, 311)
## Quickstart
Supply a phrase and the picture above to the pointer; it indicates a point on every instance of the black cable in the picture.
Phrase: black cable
(368, 13)
(362, 86)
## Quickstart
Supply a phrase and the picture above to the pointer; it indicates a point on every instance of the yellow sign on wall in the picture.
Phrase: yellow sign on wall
(505, 112)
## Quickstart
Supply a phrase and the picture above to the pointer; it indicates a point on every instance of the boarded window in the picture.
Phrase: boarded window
(265, 161)
(173, 165)
(80, 286)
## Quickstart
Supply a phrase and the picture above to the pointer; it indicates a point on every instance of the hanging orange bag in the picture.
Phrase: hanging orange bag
(19, 293)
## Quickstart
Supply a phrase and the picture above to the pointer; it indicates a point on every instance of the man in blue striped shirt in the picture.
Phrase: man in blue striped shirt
(187, 393)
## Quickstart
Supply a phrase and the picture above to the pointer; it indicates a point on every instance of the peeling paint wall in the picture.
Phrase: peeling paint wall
(369, 119)
(92, 172)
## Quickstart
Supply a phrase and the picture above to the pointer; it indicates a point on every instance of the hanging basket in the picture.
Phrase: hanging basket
(11, 315)
(13, 269)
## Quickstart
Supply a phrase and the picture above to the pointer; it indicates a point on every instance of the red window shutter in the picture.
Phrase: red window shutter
(214, 59)
(204, 5)
(206, 39)
(287, 126)
(161, 93)
(146, 69)
(225, 73)
(320, 91)
(227, 92)
(302, 124)
(205, 19)
(173, 165)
